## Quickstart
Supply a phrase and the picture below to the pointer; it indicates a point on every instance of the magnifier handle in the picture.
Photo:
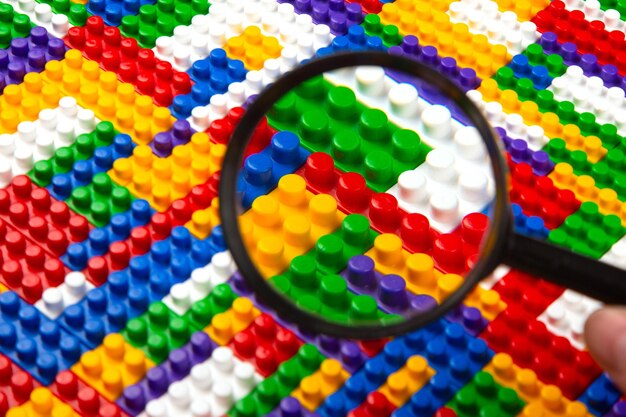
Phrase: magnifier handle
(561, 266)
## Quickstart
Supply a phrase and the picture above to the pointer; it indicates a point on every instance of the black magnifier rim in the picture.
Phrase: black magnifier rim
(496, 240)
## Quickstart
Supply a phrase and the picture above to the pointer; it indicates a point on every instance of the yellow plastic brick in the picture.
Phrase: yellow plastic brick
(409, 379)
(203, 221)
(253, 48)
(227, 324)
(314, 389)
(42, 403)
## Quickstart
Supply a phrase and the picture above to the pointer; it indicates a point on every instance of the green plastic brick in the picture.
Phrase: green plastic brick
(483, 396)
(160, 19)
(64, 158)
(268, 394)
(619, 5)
(390, 34)
(76, 13)
(553, 62)
(329, 119)
(588, 232)
(157, 332)
(12, 25)
(546, 102)
(202, 311)
(100, 200)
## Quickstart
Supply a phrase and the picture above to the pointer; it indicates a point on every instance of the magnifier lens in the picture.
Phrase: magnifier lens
(370, 204)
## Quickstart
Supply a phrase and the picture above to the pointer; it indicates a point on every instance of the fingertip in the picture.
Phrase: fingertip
(605, 336)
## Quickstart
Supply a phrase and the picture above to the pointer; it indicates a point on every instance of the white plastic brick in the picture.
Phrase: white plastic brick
(210, 390)
(71, 291)
(201, 283)
(592, 11)
(38, 140)
(589, 94)
(504, 28)
(566, 316)
(616, 256)
(41, 14)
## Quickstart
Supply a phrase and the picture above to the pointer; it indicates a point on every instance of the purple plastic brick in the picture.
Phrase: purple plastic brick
(588, 62)
(338, 15)
(291, 407)
(345, 351)
(157, 380)
(389, 290)
(520, 152)
(29, 54)
(470, 318)
(165, 142)
(618, 410)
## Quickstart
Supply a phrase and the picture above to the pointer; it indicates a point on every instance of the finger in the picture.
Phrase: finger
(605, 335)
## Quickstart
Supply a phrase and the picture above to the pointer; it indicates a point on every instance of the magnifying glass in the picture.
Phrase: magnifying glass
(381, 202)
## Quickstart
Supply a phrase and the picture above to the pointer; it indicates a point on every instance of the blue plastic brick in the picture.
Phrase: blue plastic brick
(34, 342)
(532, 226)
(28, 54)
(600, 396)
(215, 242)
(338, 15)
(291, 407)
(158, 379)
(165, 142)
(99, 240)
(211, 75)
(429, 399)
(261, 171)
(112, 11)
(82, 172)
(538, 74)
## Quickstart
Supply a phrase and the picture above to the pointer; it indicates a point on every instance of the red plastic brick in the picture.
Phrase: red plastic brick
(589, 37)
(221, 130)
(15, 385)
(265, 344)
(85, 400)
(376, 405)
(132, 64)
(48, 222)
(538, 196)
(532, 346)
(456, 252)
(142, 237)
(372, 348)
(445, 412)
(535, 294)
(25, 267)
(369, 6)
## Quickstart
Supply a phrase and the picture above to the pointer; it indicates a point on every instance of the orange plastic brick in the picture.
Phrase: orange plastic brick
(42, 403)
(253, 48)
(227, 324)
(203, 221)
(315, 388)
(401, 385)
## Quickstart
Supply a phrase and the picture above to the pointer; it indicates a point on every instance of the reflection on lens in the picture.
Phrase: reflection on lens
(371, 204)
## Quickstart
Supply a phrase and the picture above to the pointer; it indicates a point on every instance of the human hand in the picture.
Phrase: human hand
(605, 334)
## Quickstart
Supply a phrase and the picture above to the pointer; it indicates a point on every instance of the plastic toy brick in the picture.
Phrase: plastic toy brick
(519, 151)
(202, 282)
(470, 318)
(75, 13)
(80, 396)
(41, 14)
(54, 300)
(429, 399)
(588, 232)
(532, 226)
(541, 75)
(252, 47)
(42, 403)
(99, 240)
(376, 404)
(155, 20)
(369, 6)
(132, 64)
(536, 395)
(618, 410)
(100, 200)
(13, 24)
(203, 221)
(224, 326)
(164, 142)
(347, 352)
(262, 171)
(532, 346)
(35, 343)
(445, 412)
(266, 344)
(357, 39)
(163, 180)
(220, 131)
(525, 9)
(15, 385)
(341, 125)
(290, 407)
(28, 54)
(418, 19)
(600, 396)
(482, 394)
(566, 316)
(535, 294)
(112, 366)
(390, 291)
(158, 379)
(615, 256)
(268, 394)
(211, 389)
(402, 384)
(113, 11)
(157, 332)
(110, 99)
(338, 15)
(290, 210)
